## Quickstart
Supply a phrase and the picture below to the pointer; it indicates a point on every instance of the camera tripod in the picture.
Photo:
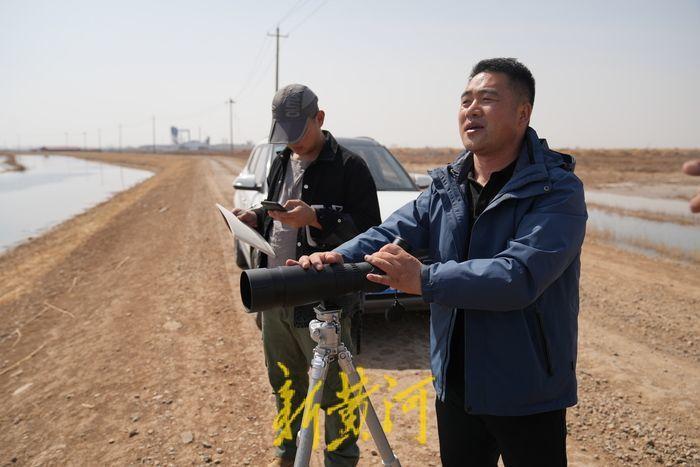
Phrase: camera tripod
(325, 331)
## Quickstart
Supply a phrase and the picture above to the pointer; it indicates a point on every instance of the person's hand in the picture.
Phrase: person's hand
(693, 168)
(317, 260)
(247, 217)
(298, 214)
(402, 270)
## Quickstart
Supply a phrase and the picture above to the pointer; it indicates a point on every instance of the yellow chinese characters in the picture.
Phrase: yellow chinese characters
(353, 407)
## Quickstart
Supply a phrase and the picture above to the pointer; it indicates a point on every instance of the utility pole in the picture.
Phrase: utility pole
(99, 139)
(277, 56)
(120, 137)
(154, 134)
(230, 103)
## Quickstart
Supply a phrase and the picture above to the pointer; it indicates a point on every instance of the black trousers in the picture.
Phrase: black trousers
(477, 440)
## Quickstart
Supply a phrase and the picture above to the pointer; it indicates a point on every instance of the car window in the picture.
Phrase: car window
(261, 165)
(387, 172)
(252, 160)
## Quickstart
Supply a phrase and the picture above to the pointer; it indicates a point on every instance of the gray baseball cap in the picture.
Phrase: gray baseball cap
(292, 107)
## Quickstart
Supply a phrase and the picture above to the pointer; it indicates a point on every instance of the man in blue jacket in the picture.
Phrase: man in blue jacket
(504, 225)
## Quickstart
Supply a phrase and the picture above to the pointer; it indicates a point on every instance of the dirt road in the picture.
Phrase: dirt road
(123, 341)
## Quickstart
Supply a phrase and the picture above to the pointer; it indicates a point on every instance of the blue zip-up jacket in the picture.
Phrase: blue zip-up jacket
(519, 287)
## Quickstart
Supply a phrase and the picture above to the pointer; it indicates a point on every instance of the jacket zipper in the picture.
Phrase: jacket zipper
(545, 344)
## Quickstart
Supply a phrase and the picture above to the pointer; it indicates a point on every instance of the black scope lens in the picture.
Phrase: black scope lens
(263, 289)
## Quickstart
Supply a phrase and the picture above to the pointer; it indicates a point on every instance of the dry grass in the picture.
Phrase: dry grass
(11, 161)
(596, 167)
(648, 215)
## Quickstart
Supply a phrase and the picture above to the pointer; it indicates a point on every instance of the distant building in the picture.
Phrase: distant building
(186, 144)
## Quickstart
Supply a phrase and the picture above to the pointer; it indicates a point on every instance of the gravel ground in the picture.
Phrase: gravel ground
(123, 341)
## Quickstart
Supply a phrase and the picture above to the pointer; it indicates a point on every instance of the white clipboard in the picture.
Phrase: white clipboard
(244, 233)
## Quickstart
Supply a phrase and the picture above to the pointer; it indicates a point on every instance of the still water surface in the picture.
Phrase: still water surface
(639, 203)
(634, 231)
(54, 189)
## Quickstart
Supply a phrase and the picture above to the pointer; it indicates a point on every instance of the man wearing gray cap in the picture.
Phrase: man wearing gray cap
(330, 197)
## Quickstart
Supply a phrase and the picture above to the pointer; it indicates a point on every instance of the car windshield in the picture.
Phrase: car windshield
(388, 174)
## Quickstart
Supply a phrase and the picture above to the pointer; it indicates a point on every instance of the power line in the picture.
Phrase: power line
(295, 8)
(263, 73)
(254, 68)
(294, 28)
(277, 36)
(292, 10)
(257, 71)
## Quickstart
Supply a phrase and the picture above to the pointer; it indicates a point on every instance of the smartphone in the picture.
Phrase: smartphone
(272, 206)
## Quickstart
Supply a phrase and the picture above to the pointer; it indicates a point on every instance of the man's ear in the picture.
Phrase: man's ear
(320, 118)
(524, 113)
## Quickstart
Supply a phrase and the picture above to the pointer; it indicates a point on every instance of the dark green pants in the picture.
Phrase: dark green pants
(293, 347)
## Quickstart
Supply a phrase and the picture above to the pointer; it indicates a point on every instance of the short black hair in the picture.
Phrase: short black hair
(519, 75)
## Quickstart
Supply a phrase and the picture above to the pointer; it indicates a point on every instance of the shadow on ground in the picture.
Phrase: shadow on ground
(399, 345)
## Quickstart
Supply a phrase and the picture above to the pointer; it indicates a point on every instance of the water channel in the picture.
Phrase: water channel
(673, 207)
(644, 234)
(647, 236)
(53, 189)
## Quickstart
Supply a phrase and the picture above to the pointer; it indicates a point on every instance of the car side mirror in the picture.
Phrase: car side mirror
(423, 181)
(246, 182)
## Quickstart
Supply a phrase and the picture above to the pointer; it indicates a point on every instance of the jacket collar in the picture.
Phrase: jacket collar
(530, 168)
(530, 177)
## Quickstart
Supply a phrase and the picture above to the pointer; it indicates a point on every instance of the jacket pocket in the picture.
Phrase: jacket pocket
(544, 341)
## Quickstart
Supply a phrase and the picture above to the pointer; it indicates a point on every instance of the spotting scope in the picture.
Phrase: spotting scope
(263, 289)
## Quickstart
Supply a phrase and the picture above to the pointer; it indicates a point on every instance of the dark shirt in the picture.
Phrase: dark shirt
(478, 198)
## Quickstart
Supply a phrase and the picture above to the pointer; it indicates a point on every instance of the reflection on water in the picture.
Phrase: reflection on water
(53, 189)
(639, 203)
(625, 229)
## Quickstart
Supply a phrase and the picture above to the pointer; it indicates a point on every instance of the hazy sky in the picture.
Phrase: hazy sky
(609, 73)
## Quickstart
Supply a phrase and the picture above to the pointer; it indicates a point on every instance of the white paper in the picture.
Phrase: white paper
(244, 233)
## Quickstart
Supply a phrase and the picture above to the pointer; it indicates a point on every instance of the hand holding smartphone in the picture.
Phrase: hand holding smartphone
(272, 206)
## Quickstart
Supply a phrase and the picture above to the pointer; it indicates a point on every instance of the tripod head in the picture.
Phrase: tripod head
(325, 329)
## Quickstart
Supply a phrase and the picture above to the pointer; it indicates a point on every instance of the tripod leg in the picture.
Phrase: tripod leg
(371, 419)
(317, 376)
